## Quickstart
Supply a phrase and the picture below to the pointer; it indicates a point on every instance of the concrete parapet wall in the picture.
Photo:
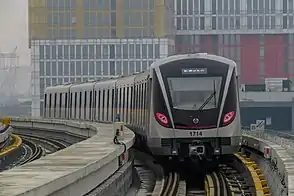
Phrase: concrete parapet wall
(5, 132)
(73, 171)
(278, 169)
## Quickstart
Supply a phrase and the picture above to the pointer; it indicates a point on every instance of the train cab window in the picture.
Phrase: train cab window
(76, 104)
(85, 105)
(45, 106)
(65, 108)
(107, 104)
(55, 103)
(60, 104)
(90, 105)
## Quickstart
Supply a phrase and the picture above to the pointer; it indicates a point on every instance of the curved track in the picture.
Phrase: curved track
(232, 177)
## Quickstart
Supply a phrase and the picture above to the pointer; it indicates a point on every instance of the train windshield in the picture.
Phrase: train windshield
(194, 93)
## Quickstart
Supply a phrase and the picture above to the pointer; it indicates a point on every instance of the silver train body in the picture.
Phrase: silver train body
(183, 106)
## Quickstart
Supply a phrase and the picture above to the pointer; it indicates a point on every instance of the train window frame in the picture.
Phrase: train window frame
(131, 106)
(103, 104)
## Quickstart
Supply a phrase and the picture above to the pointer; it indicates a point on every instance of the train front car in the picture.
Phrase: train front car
(196, 107)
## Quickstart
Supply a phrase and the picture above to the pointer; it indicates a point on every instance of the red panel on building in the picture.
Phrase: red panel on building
(273, 55)
(249, 59)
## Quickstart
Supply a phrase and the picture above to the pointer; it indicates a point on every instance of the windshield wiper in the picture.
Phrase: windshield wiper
(207, 101)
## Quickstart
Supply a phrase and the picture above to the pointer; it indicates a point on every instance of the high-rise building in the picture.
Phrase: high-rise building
(257, 34)
(89, 39)
(86, 39)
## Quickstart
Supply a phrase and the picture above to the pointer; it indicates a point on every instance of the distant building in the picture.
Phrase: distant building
(257, 34)
(88, 39)
(82, 39)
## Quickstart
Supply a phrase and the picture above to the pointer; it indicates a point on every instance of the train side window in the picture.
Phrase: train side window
(70, 105)
(85, 105)
(45, 106)
(80, 105)
(55, 103)
(50, 104)
(149, 83)
(112, 103)
(90, 105)
(107, 104)
(95, 104)
(60, 104)
(76, 104)
(136, 104)
(141, 103)
(143, 99)
(127, 105)
(131, 105)
(65, 108)
(103, 105)
(123, 104)
(99, 104)
(119, 102)
(116, 102)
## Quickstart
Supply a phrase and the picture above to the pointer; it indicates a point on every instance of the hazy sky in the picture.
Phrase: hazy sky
(14, 32)
(13, 28)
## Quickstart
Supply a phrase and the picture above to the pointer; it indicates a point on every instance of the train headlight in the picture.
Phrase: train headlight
(162, 119)
(228, 117)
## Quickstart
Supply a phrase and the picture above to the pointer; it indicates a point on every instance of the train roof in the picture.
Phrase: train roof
(207, 56)
(58, 88)
(86, 85)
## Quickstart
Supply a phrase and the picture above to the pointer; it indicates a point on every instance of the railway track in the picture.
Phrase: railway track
(33, 148)
(231, 178)
(49, 145)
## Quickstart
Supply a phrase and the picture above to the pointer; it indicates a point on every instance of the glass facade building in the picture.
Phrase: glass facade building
(257, 34)
(78, 40)
(89, 39)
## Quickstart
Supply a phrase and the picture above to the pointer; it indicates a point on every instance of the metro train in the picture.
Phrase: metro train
(183, 107)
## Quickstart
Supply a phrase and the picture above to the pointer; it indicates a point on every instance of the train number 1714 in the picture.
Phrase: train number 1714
(195, 133)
